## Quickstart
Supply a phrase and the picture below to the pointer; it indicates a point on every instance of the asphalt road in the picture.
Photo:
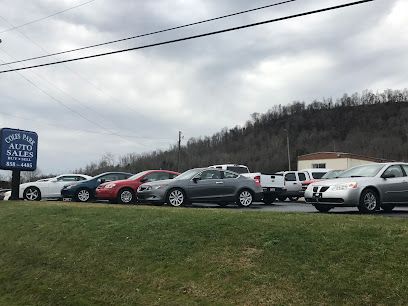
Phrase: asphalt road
(301, 207)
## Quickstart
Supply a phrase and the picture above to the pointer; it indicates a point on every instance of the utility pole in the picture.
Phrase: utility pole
(288, 145)
(178, 152)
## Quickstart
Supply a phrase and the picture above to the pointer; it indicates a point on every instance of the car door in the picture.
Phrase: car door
(229, 187)
(54, 189)
(206, 186)
(394, 189)
(291, 182)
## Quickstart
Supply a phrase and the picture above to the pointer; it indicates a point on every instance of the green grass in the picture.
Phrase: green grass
(73, 254)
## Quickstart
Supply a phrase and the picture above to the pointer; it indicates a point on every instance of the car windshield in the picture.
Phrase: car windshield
(362, 171)
(189, 174)
(331, 174)
(138, 175)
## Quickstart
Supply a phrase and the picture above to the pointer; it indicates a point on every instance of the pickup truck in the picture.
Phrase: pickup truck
(273, 185)
(294, 181)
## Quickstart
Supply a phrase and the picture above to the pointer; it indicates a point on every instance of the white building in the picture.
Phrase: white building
(335, 160)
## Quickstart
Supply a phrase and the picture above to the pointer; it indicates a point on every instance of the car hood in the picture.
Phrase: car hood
(120, 182)
(338, 181)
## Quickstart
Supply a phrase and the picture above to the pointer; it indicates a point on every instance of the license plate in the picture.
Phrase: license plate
(66, 199)
(317, 195)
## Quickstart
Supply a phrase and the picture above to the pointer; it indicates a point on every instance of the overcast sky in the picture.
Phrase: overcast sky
(145, 97)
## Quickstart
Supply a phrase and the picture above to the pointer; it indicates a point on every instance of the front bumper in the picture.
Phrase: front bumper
(68, 193)
(348, 197)
(152, 196)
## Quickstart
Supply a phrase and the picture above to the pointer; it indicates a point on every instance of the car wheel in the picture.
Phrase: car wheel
(32, 194)
(83, 195)
(369, 201)
(282, 198)
(387, 207)
(126, 196)
(293, 199)
(176, 197)
(323, 208)
(245, 198)
(268, 200)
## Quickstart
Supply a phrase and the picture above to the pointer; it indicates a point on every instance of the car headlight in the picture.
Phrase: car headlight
(158, 187)
(345, 186)
(110, 186)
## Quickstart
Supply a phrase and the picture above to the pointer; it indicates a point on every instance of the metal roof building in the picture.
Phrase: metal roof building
(335, 160)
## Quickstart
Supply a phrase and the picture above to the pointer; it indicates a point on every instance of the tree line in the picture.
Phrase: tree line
(372, 124)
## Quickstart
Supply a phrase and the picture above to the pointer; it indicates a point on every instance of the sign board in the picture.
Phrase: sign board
(18, 150)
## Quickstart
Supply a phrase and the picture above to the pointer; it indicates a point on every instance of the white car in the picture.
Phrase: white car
(49, 188)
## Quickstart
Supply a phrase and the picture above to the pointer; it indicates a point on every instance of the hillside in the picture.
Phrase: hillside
(369, 124)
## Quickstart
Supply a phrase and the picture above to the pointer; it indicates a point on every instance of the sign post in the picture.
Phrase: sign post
(18, 152)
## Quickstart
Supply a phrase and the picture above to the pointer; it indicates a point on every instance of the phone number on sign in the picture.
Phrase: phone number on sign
(22, 165)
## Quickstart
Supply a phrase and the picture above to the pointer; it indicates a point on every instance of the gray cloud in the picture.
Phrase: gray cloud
(197, 86)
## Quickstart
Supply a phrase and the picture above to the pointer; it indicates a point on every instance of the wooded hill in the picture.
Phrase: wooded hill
(372, 124)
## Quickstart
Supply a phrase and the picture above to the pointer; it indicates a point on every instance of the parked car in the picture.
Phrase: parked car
(124, 191)
(329, 175)
(49, 188)
(202, 185)
(273, 185)
(368, 187)
(293, 181)
(85, 191)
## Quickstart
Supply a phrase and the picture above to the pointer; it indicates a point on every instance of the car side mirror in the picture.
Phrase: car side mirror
(101, 180)
(196, 179)
(387, 176)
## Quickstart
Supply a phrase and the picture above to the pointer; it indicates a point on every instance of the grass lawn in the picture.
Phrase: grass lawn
(72, 254)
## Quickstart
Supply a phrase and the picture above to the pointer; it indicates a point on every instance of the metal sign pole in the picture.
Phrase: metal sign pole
(15, 185)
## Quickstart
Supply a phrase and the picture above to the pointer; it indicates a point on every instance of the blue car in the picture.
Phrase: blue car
(85, 191)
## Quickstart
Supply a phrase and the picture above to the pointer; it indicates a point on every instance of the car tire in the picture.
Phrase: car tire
(244, 198)
(282, 198)
(32, 194)
(369, 201)
(83, 195)
(126, 196)
(322, 208)
(387, 207)
(293, 199)
(176, 197)
(268, 200)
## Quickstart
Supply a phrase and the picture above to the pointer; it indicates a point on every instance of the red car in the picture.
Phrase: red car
(124, 191)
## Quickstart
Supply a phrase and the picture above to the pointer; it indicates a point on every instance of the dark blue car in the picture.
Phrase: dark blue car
(85, 190)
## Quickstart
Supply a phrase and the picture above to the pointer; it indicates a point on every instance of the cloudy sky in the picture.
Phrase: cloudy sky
(138, 101)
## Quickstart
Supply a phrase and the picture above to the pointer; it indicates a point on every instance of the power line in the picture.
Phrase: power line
(46, 17)
(70, 70)
(192, 37)
(152, 33)
(82, 130)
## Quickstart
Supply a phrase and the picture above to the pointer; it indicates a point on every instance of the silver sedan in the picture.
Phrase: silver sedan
(202, 185)
(368, 187)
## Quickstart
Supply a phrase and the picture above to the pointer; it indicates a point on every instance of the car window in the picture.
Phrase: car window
(156, 176)
(228, 175)
(318, 175)
(81, 178)
(394, 170)
(290, 177)
(302, 176)
(238, 169)
(405, 168)
(210, 175)
(172, 175)
(113, 177)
